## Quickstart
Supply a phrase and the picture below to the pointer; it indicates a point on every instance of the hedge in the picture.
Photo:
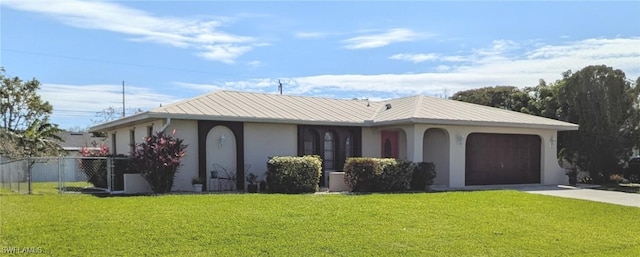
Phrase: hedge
(387, 175)
(423, 175)
(291, 175)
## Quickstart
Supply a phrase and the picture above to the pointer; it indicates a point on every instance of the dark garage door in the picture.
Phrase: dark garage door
(493, 159)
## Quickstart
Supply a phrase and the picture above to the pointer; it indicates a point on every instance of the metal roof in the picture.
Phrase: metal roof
(274, 108)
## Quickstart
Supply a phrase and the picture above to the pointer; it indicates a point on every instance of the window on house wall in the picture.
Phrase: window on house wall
(348, 149)
(311, 142)
(149, 131)
(132, 141)
(387, 149)
(113, 144)
(329, 151)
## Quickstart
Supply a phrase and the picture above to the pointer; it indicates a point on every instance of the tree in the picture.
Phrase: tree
(543, 99)
(112, 113)
(25, 119)
(603, 103)
(504, 97)
(600, 99)
(21, 104)
(158, 159)
(41, 139)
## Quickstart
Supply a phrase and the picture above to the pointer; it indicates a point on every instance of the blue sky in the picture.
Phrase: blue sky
(166, 51)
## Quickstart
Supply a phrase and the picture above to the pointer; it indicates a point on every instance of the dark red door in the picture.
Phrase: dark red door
(389, 140)
(493, 159)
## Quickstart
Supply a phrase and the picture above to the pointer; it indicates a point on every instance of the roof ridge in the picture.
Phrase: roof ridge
(417, 105)
(375, 114)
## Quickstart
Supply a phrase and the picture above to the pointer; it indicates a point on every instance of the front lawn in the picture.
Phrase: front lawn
(487, 223)
(45, 187)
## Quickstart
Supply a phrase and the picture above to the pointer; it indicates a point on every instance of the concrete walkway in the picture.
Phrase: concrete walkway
(620, 198)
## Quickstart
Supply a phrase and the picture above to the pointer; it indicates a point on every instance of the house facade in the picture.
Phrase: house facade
(234, 133)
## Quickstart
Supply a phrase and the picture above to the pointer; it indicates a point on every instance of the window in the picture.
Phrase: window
(348, 150)
(113, 144)
(132, 141)
(149, 131)
(311, 142)
(387, 149)
(329, 151)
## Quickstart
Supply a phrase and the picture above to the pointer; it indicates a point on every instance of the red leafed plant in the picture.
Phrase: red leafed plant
(158, 159)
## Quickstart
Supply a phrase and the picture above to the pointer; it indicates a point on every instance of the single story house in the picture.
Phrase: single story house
(236, 132)
(73, 142)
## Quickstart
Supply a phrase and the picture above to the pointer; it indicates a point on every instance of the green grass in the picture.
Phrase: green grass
(487, 223)
(45, 188)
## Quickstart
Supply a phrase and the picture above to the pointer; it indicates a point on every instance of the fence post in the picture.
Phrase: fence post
(60, 167)
(29, 166)
(110, 167)
(20, 178)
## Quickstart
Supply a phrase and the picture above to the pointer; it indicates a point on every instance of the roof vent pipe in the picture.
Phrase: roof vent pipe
(388, 106)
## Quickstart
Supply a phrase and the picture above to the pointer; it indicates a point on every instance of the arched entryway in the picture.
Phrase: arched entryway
(435, 148)
(221, 157)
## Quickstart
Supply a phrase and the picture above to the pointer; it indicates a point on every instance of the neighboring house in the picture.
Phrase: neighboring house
(74, 141)
(469, 144)
(48, 169)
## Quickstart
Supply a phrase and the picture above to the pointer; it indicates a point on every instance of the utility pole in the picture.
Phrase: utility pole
(280, 86)
(123, 99)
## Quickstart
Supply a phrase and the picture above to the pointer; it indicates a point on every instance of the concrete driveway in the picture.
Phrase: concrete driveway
(620, 198)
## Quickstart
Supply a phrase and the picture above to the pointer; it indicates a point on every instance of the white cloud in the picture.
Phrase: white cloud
(497, 64)
(260, 85)
(454, 58)
(310, 35)
(199, 87)
(254, 64)
(73, 104)
(203, 35)
(224, 53)
(415, 58)
(381, 39)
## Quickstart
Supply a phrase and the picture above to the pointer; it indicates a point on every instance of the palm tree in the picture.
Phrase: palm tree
(40, 139)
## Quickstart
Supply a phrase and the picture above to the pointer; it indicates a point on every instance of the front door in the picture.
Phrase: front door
(333, 144)
(390, 146)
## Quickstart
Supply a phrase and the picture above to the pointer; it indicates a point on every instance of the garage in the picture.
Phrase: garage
(497, 159)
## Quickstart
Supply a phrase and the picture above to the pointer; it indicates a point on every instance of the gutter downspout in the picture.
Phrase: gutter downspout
(166, 124)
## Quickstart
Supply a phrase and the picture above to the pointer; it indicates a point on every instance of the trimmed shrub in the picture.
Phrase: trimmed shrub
(378, 174)
(158, 159)
(423, 175)
(291, 175)
(396, 177)
(360, 173)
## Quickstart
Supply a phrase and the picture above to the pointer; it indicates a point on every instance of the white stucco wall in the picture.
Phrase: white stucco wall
(188, 131)
(221, 151)
(372, 147)
(123, 136)
(551, 172)
(436, 149)
(185, 129)
(371, 142)
(452, 173)
(265, 140)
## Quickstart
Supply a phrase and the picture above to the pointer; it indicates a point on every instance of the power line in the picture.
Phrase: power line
(115, 62)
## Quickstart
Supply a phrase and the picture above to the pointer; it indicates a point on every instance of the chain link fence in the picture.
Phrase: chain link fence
(47, 175)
